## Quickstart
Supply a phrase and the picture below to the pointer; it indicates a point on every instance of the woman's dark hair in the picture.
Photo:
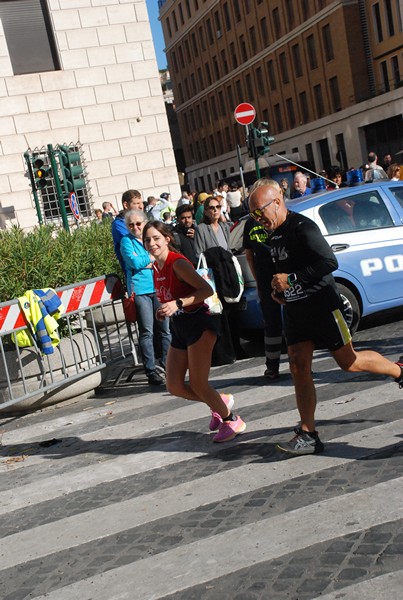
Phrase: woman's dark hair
(206, 218)
(164, 230)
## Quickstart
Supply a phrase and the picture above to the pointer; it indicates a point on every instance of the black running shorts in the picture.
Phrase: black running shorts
(188, 327)
(318, 319)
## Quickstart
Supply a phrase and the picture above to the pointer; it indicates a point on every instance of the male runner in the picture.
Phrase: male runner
(304, 283)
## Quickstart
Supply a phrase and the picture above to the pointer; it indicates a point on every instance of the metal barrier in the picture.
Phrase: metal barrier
(94, 334)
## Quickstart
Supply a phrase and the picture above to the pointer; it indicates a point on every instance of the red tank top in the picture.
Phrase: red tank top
(168, 287)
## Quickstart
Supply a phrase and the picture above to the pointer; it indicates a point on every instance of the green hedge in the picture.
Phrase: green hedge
(52, 257)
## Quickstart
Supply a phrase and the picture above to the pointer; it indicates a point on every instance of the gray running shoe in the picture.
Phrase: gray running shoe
(302, 443)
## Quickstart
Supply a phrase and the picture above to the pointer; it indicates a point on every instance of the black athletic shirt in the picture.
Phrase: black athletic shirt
(298, 246)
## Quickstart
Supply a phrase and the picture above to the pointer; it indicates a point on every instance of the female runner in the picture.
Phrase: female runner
(181, 292)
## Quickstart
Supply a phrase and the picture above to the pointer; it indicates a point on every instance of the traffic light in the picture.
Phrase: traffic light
(263, 139)
(41, 173)
(72, 170)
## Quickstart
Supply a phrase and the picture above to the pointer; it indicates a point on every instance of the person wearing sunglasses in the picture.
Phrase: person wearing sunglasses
(140, 281)
(304, 284)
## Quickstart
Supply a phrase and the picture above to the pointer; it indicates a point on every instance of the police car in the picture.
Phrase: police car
(364, 227)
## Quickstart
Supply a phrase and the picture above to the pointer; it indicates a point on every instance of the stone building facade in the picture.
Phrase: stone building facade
(96, 82)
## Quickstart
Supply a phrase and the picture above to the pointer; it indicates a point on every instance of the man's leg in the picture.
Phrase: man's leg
(352, 361)
(300, 357)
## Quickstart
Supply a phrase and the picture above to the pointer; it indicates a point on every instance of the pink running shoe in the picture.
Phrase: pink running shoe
(229, 429)
(216, 420)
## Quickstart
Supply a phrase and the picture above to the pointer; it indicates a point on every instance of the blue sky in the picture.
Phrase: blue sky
(152, 6)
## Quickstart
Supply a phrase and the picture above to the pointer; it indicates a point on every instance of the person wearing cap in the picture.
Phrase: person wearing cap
(201, 198)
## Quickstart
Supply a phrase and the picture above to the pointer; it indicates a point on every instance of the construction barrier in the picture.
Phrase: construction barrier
(94, 334)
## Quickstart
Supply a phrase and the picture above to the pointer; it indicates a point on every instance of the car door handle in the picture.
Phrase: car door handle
(339, 247)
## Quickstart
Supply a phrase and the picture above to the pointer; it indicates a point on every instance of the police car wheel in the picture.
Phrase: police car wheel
(351, 308)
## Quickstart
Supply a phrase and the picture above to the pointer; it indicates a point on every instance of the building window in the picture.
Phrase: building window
(395, 70)
(306, 9)
(264, 31)
(242, 43)
(250, 93)
(193, 82)
(384, 76)
(224, 62)
(377, 22)
(185, 118)
(208, 73)
(230, 97)
(194, 44)
(320, 110)
(283, 68)
(181, 14)
(327, 43)
(234, 58)
(202, 39)
(278, 118)
(290, 112)
(296, 59)
(389, 17)
(238, 85)
(187, 4)
(303, 102)
(196, 3)
(180, 92)
(181, 61)
(217, 21)
(313, 61)
(227, 16)
(252, 36)
(174, 20)
(247, 6)
(237, 11)
(309, 156)
(216, 69)
(187, 90)
(209, 31)
(271, 75)
(175, 62)
(335, 94)
(290, 14)
(213, 111)
(259, 80)
(200, 77)
(277, 24)
(221, 101)
(168, 26)
(187, 50)
(29, 36)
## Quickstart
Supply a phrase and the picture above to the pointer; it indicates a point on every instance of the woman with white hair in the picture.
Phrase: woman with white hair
(140, 281)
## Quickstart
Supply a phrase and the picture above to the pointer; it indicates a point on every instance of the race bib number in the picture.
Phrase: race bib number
(294, 293)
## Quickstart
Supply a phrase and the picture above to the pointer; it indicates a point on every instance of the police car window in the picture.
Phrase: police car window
(356, 213)
(398, 194)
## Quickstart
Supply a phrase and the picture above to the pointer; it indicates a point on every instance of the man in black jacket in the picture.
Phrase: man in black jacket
(303, 282)
(184, 233)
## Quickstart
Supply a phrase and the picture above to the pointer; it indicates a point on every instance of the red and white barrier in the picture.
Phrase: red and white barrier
(75, 298)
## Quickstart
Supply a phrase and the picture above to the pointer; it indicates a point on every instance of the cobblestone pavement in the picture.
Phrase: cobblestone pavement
(124, 495)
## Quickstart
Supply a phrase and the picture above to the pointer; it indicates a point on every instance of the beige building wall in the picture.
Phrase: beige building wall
(107, 96)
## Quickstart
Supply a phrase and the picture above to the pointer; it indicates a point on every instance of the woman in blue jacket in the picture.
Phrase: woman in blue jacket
(139, 279)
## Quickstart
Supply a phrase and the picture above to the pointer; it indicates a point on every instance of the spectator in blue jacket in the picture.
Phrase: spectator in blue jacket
(139, 279)
(130, 199)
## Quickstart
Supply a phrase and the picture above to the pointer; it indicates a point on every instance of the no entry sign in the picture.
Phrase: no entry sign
(245, 113)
